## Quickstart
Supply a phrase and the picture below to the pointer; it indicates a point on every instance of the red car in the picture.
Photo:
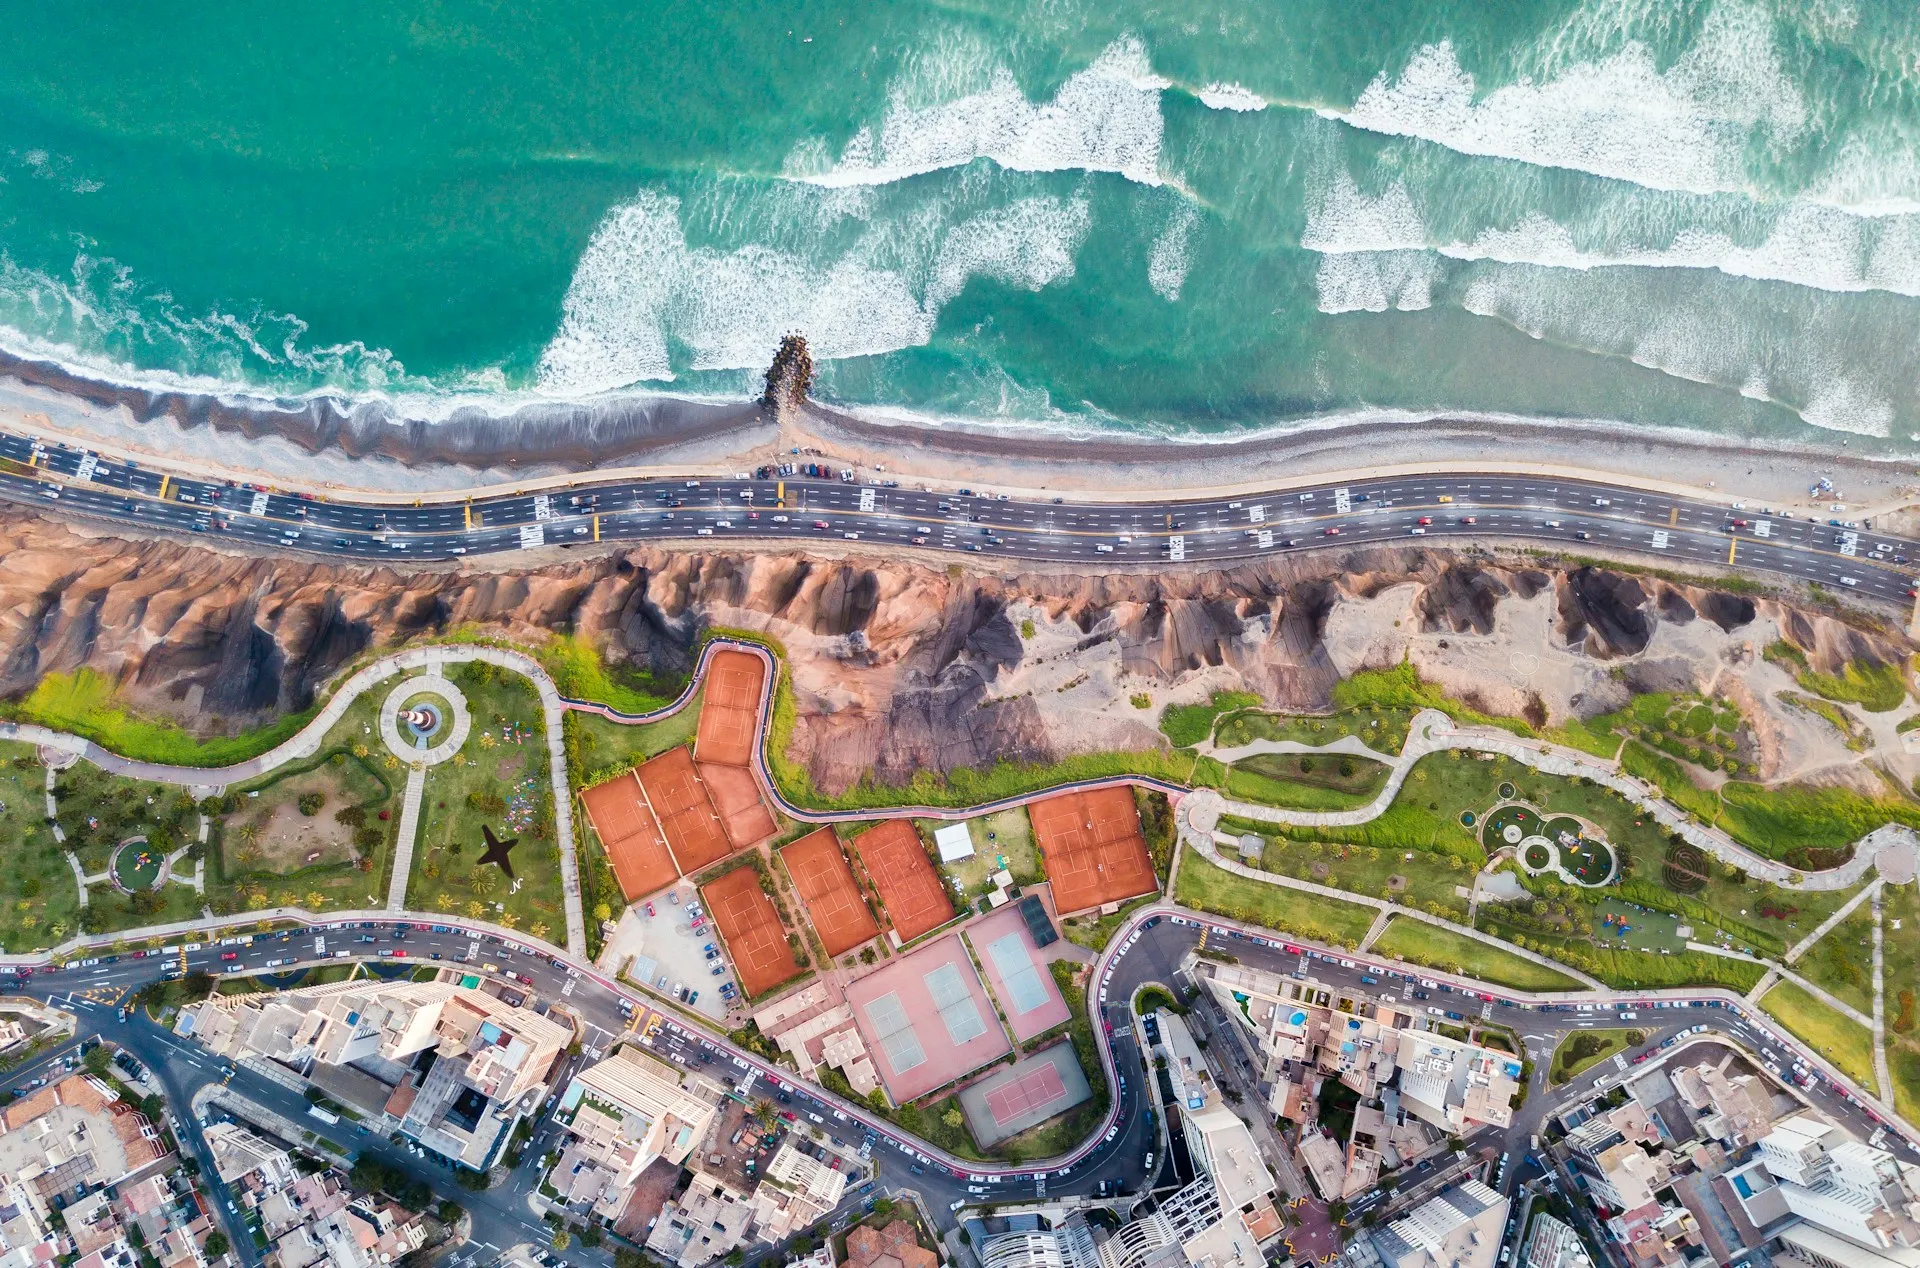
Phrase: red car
(229, 955)
(399, 954)
(1425, 520)
(649, 909)
(1469, 519)
(1332, 532)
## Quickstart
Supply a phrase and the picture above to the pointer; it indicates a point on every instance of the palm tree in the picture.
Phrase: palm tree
(764, 1114)
(482, 881)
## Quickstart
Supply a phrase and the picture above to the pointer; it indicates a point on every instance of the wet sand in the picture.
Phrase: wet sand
(319, 444)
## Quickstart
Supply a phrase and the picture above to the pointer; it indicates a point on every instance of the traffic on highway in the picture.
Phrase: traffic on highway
(1575, 516)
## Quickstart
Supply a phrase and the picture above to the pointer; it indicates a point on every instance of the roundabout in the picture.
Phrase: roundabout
(424, 720)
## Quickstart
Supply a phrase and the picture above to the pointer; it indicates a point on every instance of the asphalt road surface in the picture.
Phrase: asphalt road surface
(1571, 515)
(1117, 1154)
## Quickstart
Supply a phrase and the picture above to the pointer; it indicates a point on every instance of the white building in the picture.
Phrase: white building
(954, 842)
(1554, 1244)
(1840, 1185)
(1459, 1227)
(621, 1114)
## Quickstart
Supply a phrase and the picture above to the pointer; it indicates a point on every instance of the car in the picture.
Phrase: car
(229, 955)
(1425, 520)
(1469, 519)
(649, 908)
(1416, 532)
(400, 953)
(1331, 532)
(821, 524)
(1584, 535)
(1551, 524)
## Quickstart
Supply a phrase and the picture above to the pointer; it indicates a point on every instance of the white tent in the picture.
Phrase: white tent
(955, 842)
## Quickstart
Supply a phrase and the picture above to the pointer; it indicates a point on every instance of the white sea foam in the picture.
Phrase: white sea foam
(1807, 244)
(1621, 116)
(1230, 97)
(1105, 118)
(1375, 281)
(639, 290)
(1792, 358)
(1170, 257)
(1342, 219)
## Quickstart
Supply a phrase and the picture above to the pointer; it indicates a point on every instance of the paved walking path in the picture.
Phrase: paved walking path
(403, 841)
(206, 781)
(1432, 731)
(1820, 993)
(1870, 892)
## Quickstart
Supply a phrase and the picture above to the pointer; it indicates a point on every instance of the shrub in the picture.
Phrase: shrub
(310, 803)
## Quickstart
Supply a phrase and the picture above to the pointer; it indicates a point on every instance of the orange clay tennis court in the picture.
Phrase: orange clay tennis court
(1093, 847)
(635, 848)
(736, 799)
(896, 862)
(826, 886)
(685, 812)
(731, 712)
(755, 939)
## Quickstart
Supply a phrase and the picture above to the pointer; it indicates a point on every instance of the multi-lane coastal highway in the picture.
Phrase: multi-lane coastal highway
(1575, 516)
(1149, 949)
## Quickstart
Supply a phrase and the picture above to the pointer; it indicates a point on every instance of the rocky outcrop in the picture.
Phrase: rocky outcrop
(898, 665)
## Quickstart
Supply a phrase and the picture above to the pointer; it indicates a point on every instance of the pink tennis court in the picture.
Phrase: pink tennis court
(1026, 1094)
(927, 1019)
(1017, 973)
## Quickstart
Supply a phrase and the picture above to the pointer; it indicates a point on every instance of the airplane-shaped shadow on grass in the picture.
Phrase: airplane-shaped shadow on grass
(497, 852)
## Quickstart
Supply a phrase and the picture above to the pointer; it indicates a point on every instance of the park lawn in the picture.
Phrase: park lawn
(38, 894)
(1844, 1042)
(605, 749)
(1900, 953)
(1797, 912)
(1417, 942)
(1383, 730)
(1277, 779)
(1842, 962)
(110, 911)
(1189, 724)
(462, 796)
(1903, 1067)
(1430, 880)
(86, 703)
(117, 808)
(1647, 930)
(1005, 834)
(1205, 887)
(1580, 1050)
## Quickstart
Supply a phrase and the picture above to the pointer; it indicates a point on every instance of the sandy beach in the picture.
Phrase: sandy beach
(317, 444)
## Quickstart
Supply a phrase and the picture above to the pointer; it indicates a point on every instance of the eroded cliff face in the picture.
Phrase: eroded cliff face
(898, 665)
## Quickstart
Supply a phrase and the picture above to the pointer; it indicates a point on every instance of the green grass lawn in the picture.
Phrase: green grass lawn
(1203, 886)
(1307, 782)
(1188, 724)
(97, 811)
(1426, 881)
(1844, 1042)
(1418, 942)
(503, 784)
(260, 856)
(1383, 730)
(39, 902)
(1842, 962)
(1900, 933)
(1581, 1050)
(1648, 931)
(85, 703)
(1006, 835)
(604, 748)
(1903, 1066)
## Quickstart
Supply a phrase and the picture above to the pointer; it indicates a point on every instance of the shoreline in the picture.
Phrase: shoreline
(322, 445)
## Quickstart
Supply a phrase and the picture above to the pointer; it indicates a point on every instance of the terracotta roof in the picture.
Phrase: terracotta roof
(894, 1246)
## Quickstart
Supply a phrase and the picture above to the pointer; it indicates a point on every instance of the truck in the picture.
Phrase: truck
(325, 1116)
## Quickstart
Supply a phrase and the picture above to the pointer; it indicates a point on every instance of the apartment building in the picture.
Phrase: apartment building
(1371, 1046)
(1459, 1227)
(621, 1114)
(1553, 1243)
(1838, 1184)
(1736, 1111)
(1068, 1244)
(796, 1189)
(455, 1065)
(1221, 1143)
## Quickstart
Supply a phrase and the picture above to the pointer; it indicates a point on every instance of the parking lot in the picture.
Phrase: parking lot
(672, 954)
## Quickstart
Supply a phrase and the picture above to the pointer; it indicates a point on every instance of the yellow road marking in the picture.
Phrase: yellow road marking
(1733, 544)
(469, 510)
(165, 480)
(1673, 517)
(596, 528)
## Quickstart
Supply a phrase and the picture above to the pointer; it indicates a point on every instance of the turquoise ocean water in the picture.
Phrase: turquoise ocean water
(1195, 218)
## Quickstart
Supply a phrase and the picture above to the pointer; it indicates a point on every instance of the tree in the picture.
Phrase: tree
(953, 1118)
(764, 1114)
(216, 1244)
(562, 1239)
(483, 880)
(96, 1060)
